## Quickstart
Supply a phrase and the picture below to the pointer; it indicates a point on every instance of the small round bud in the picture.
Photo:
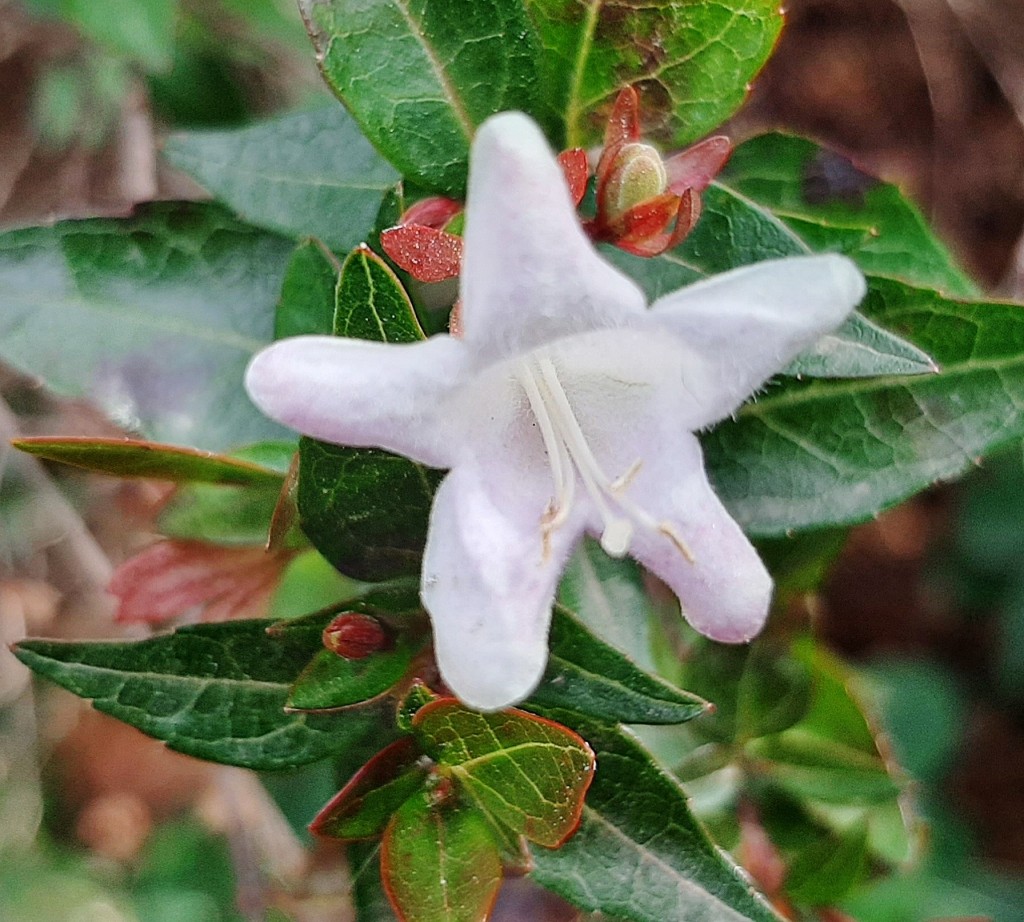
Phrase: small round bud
(637, 175)
(354, 636)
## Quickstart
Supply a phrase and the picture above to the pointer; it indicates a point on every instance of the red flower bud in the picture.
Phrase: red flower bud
(354, 636)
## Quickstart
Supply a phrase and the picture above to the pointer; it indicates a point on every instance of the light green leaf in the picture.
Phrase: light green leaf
(307, 174)
(440, 863)
(143, 30)
(526, 773)
(154, 318)
(420, 75)
(216, 691)
(694, 61)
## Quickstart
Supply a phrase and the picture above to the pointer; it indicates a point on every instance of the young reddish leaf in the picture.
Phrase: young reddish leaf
(171, 578)
(140, 458)
(695, 167)
(426, 253)
(523, 771)
(331, 681)
(435, 211)
(440, 863)
(623, 126)
(577, 171)
(362, 808)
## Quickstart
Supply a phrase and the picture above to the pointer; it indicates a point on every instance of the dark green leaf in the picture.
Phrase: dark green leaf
(524, 772)
(366, 510)
(440, 863)
(589, 677)
(216, 691)
(369, 900)
(639, 854)
(734, 231)
(693, 60)
(810, 454)
(331, 681)
(154, 318)
(312, 173)
(417, 696)
(364, 806)
(822, 198)
(308, 292)
(135, 458)
(420, 75)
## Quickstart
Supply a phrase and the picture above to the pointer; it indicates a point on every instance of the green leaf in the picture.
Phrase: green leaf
(756, 690)
(143, 30)
(232, 515)
(607, 595)
(811, 454)
(363, 807)
(824, 874)
(136, 458)
(215, 691)
(591, 678)
(306, 174)
(693, 60)
(440, 863)
(417, 697)
(639, 854)
(366, 510)
(734, 231)
(830, 755)
(154, 317)
(307, 294)
(872, 222)
(524, 772)
(420, 75)
(331, 681)
(369, 901)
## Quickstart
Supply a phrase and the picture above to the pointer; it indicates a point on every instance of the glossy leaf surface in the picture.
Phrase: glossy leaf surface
(215, 691)
(527, 773)
(439, 863)
(693, 60)
(639, 854)
(420, 75)
(366, 510)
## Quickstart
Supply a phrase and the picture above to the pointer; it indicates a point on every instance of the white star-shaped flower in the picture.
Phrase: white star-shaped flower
(567, 407)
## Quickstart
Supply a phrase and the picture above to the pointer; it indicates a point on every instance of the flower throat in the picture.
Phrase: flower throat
(567, 448)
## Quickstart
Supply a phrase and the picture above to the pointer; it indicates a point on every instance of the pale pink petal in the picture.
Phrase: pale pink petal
(702, 554)
(737, 329)
(489, 581)
(363, 394)
(529, 273)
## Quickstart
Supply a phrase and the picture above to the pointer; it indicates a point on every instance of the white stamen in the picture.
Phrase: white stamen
(567, 448)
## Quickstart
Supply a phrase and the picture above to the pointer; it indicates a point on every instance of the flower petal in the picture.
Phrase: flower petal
(362, 394)
(743, 326)
(529, 273)
(489, 583)
(725, 590)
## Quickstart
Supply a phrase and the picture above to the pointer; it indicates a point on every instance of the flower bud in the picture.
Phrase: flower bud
(354, 636)
(637, 175)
